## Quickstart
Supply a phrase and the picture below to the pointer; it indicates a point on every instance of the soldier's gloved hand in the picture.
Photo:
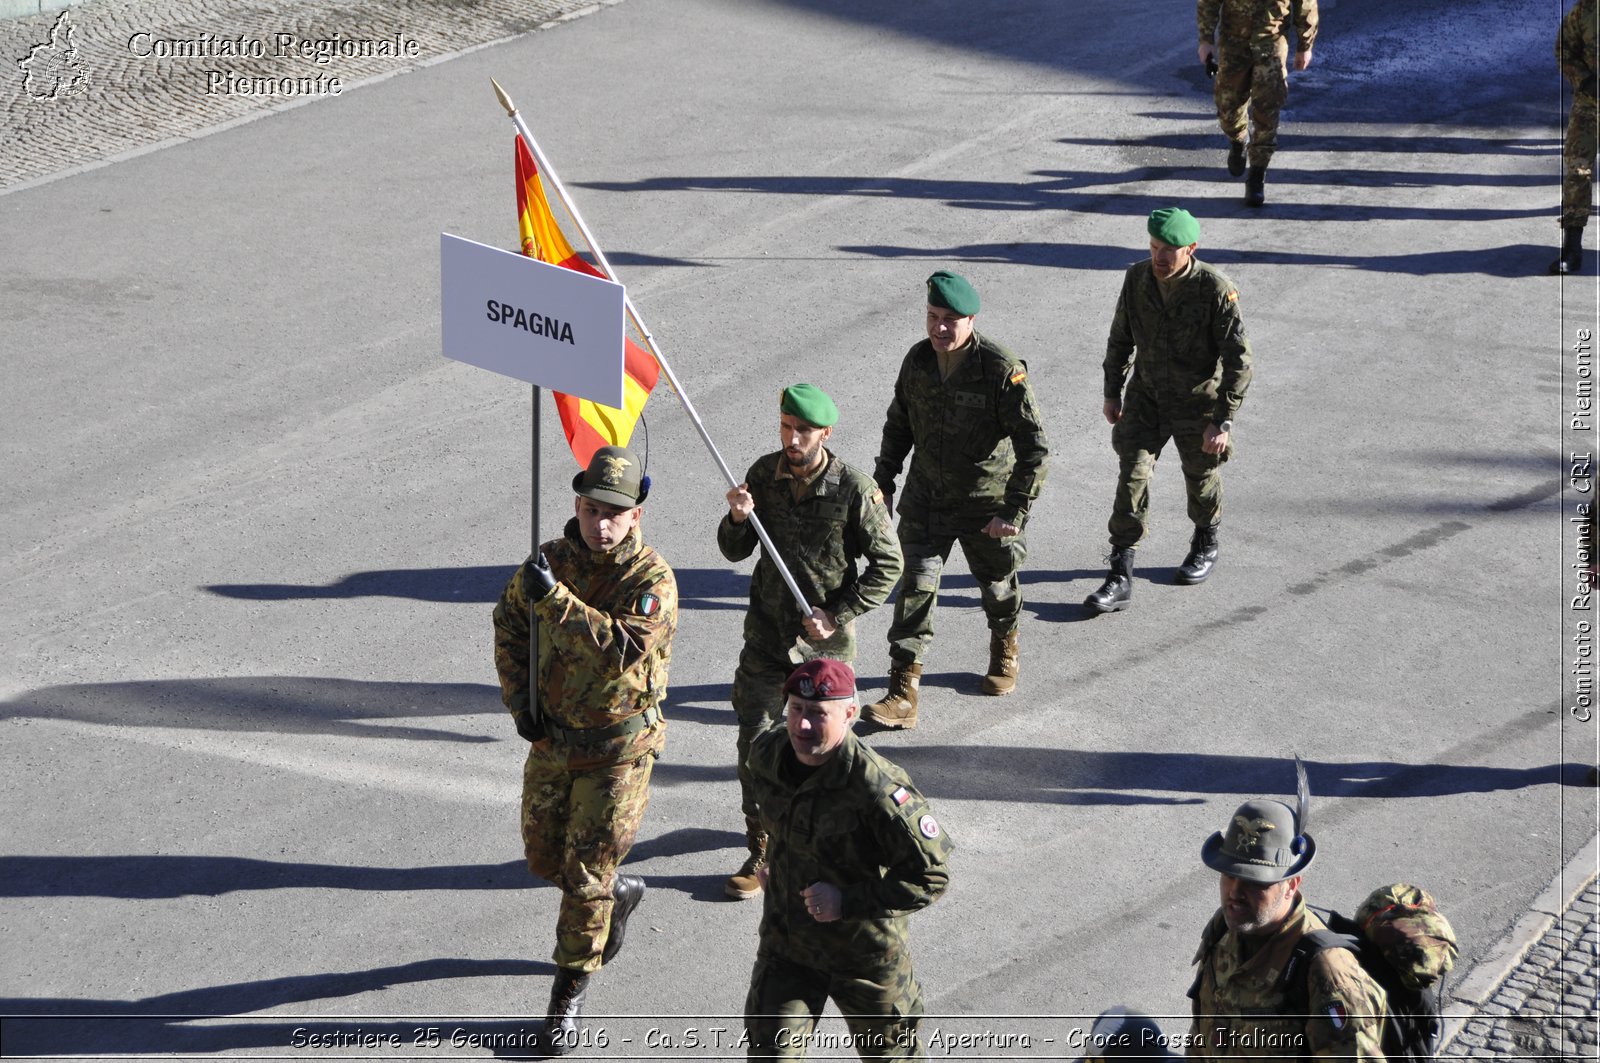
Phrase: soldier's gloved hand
(541, 581)
(527, 726)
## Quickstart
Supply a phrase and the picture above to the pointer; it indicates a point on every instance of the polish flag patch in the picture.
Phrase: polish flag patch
(900, 796)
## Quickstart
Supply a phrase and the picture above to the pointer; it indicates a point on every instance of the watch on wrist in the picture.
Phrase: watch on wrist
(1225, 427)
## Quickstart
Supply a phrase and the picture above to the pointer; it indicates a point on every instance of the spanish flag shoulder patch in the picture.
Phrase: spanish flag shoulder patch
(1018, 375)
(1232, 296)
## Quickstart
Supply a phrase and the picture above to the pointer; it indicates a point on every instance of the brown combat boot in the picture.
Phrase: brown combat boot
(745, 883)
(1002, 677)
(898, 709)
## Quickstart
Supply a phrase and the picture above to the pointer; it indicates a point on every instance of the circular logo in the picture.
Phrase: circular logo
(928, 826)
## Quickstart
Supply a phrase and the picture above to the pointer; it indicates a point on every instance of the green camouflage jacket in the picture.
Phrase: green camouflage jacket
(1193, 355)
(1258, 21)
(979, 446)
(605, 640)
(855, 822)
(1238, 1010)
(840, 518)
(1575, 46)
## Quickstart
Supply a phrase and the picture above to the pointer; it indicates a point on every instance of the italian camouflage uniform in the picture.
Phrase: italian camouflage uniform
(839, 518)
(858, 823)
(605, 639)
(1252, 58)
(1192, 369)
(1576, 52)
(978, 451)
(1240, 1003)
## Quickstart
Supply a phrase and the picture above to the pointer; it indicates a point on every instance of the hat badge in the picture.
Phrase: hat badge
(611, 469)
(1250, 830)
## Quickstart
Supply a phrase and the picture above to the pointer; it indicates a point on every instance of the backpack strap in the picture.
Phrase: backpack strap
(1292, 981)
(1209, 937)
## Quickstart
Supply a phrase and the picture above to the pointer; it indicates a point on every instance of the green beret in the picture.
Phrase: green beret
(1174, 227)
(953, 292)
(809, 403)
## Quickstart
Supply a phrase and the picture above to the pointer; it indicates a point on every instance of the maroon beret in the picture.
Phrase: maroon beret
(822, 679)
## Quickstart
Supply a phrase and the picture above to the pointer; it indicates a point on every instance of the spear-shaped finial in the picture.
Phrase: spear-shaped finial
(505, 101)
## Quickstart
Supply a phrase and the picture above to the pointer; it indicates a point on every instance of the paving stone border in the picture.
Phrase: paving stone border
(107, 78)
(1535, 996)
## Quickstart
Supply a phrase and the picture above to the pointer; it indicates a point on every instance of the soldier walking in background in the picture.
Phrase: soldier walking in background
(1248, 39)
(964, 411)
(823, 517)
(607, 607)
(853, 851)
(1177, 325)
(1576, 47)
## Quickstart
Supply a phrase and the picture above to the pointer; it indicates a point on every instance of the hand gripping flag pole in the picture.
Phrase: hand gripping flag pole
(650, 341)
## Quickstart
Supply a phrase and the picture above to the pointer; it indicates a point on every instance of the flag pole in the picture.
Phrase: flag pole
(533, 616)
(650, 340)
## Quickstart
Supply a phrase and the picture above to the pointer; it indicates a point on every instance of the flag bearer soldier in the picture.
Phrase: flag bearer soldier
(854, 850)
(823, 517)
(964, 411)
(607, 607)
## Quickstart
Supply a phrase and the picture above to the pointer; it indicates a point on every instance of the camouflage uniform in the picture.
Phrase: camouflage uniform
(839, 517)
(1252, 57)
(1239, 1003)
(858, 823)
(979, 453)
(605, 638)
(1192, 369)
(1576, 51)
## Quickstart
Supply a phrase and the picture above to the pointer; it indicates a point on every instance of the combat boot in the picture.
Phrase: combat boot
(1002, 677)
(625, 897)
(898, 709)
(563, 1024)
(1116, 593)
(1571, 260)
(1255, 187)
(745, 883)
(1202, 555)
(1236, 158)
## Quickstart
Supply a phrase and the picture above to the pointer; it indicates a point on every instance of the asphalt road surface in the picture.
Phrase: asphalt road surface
(254, 523)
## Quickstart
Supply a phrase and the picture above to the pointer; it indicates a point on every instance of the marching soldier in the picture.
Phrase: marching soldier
(607, 606)
(853, 851)
(1576, 48)
(1248, 40)
(824, 517)
(1177, 325)
(964, 411)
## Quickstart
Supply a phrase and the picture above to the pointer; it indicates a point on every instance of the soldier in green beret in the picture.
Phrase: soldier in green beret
(1578, 53)
(964, 411)
(832, 530)
(1248, 40)
(1177, 325)
(1242, 1006)
(607, 606)
(855, 850)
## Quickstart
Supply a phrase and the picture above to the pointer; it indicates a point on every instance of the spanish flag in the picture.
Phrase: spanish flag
(588, 425)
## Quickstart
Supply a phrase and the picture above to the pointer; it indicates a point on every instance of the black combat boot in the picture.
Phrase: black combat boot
(1571, 260)
(1236, 158)
(1116, 593)
(1255, 187)
(563, 1024)
(1202, 555)
(625, 897)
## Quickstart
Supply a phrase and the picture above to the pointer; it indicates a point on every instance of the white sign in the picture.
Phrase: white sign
(554, 327)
